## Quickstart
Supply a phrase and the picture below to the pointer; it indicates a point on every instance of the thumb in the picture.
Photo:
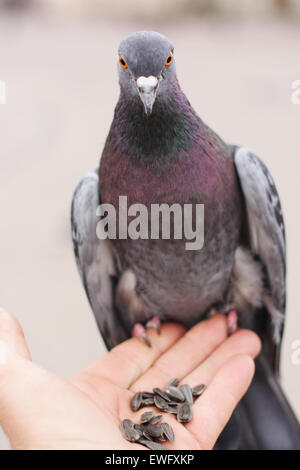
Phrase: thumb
(14, 356)
(12, 340)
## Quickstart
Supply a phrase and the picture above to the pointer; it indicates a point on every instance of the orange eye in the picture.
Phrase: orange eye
(122, 62)
(169, 60)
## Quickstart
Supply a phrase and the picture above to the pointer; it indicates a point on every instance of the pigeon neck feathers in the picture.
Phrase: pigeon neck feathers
(170, 130)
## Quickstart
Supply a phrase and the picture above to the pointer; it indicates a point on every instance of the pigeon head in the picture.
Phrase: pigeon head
(146, 67)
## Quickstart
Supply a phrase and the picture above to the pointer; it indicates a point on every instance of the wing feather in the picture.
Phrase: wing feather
(266, 230)
(95, 260)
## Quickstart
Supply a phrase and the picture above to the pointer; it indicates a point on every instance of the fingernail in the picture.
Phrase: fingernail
(3, 353)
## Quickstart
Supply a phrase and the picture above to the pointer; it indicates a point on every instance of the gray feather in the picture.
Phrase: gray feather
(95, 259)
(266, 230)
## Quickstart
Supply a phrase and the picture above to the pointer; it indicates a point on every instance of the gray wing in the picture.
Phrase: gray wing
(265, 229)
(95, 260)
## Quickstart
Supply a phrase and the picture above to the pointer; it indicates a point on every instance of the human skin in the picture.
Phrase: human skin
(40, 410)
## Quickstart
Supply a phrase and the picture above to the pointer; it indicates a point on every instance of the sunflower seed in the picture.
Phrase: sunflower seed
(161, 438)
(148, 401)
(160, 402)
(174, 393)
(147, 435)
(173, 383)
(184, 413)
(152, 445)
(139, 429)
(187, 393)
(171, 409)
(147, 394)
(136, 401)
(168, 431)
(154, 431)
(128, 431)
(198, 390)
(173, 403)
(155, 419)
(147, 416)
(162, 394)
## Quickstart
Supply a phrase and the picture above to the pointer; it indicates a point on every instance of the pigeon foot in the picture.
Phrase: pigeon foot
(232, 322)
(212, 312)
(154, 323)
(138, 331)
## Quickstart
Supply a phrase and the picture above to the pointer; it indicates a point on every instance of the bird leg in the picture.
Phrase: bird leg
(154, 323)
(232, 319)
(212, 312)
(138, 331)
(232, 322)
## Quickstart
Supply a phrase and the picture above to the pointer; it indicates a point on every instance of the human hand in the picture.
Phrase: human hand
(39, 410)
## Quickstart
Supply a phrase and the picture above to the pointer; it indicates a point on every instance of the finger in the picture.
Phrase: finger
(12, 335)
(213, 409)
(127, 361)
(186, 354)
(242, 342)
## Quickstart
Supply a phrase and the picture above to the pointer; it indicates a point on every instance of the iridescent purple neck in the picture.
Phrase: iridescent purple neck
(170, 130)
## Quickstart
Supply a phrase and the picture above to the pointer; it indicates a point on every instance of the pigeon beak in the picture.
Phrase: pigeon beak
(147, 88)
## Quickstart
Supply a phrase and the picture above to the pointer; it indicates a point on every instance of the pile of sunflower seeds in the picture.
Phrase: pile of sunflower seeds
(148, 433)
(174, 399)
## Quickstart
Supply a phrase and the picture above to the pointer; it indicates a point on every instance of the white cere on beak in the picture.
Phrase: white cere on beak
(147, 87)
(147, 84)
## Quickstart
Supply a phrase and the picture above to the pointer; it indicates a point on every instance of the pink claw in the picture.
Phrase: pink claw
(154, 323)
(232, 322)
(212, 312)
(138, 331)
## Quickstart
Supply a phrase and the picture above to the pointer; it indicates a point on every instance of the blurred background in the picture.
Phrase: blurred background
(236, 61)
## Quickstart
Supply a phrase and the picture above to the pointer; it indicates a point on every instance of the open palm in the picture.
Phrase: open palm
(39, 410)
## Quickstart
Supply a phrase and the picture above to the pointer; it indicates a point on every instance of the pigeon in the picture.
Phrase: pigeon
(159, 153)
